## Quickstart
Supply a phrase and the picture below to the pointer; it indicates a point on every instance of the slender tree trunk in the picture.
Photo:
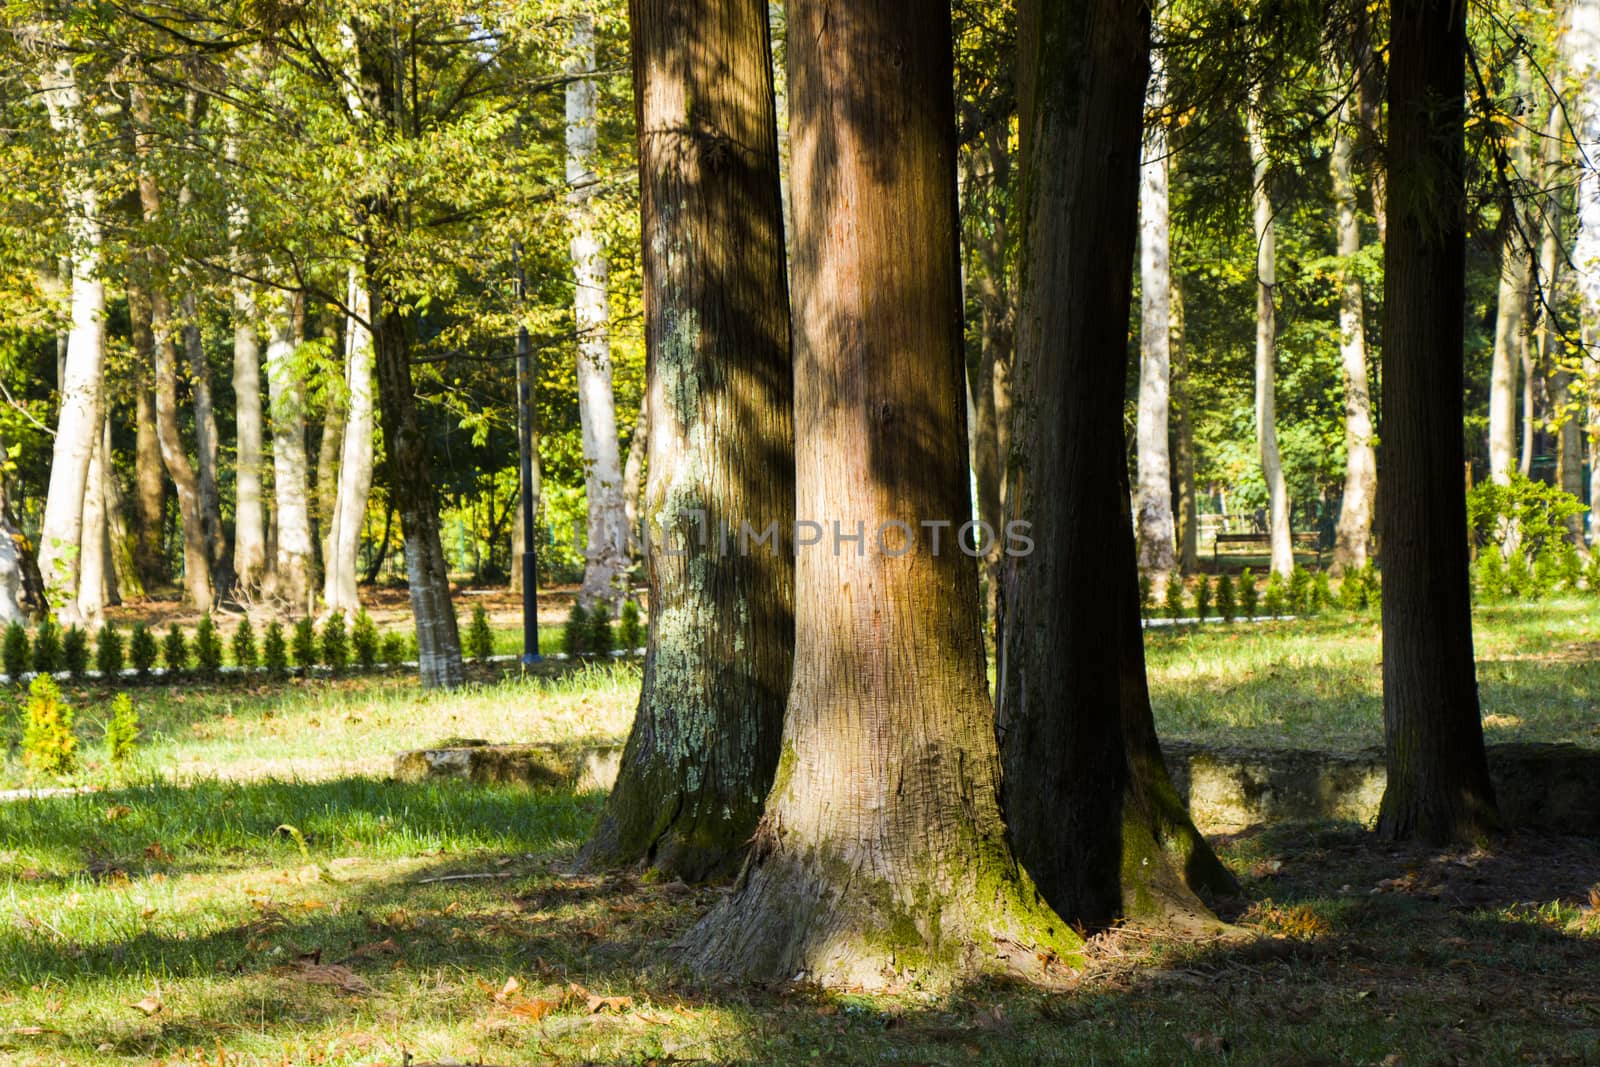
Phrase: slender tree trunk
(92, 573)
(1563, 403)
(150, 486)
(1353, 536)
(12, 578)
(704, 744)
(518, 534)
(1370, 79)
(291, 510)
(1583, 42)
(633, 468)
(123, 577)
(1513, 294)
(1093, 814)
(329, 445)
(606, 553)
(1157, 537)
(249, 519)
(207, 448)
(1438, 779)
(81, 383)
(1267, 358)
(355, 459)
(1188, 515)
(882, 855)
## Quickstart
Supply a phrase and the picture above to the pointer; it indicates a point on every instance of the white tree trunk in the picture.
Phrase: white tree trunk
(1512, 299)
(1583, 41)
(11, 583)
(83, 372)
(292, 510)
(249, 519)
(92, 574)
(355, 459)
(1266, 360)
(1153, 500)
(1354, 533)
(607, 556)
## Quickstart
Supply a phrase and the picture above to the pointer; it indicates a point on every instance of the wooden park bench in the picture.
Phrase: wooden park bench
(1303, 541)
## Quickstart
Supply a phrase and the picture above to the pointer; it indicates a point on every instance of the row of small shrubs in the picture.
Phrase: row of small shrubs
(49, 740)
(1230, 597)
(337, 646)
(590, 631)
(1555, 566)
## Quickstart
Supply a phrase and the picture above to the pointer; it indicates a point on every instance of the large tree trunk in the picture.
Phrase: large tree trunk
(81, 383)
(1093, 814)
(704, 744)
(355, 459)
(1438, 779)
(291, 510)
(607, 552)
(1157, 537)
(1353, 536)
(1267, 357)
(1583, 42)
(882, 856)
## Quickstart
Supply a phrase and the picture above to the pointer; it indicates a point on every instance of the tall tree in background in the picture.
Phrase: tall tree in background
(1353, 535)
(82, 383)
(1510, 307)
(292, 513)
(355, 458)
(704, 743)
(1091, 810)
(1583, 43)
(1438, 779)
(1156, 533)
(607, 554)
(1267, 352)
(882, 850)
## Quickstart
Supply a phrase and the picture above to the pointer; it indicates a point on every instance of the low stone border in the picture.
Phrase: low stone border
(580, 767)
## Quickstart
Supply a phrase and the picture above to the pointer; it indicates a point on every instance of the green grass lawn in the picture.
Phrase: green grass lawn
(256, 891)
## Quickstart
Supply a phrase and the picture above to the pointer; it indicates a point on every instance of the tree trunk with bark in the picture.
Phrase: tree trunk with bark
(882, 856)
(355, 459)
(633, 469)
(249, 516)
(1438, 779)
(81, 383)
(1157, 537)
(1353, 535)
(291, 510)
(93, 576)
(1092, 812)
(704, 744)
(149, 478)
(1188, 516)
(1267, 357)
(606, 551)
(1583, 43)
(329, 444)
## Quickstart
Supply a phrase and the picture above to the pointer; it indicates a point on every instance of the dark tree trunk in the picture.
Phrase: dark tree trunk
(704, 745)
(882, 856)
(1438, 778)
(1092, 812)
(150, 485)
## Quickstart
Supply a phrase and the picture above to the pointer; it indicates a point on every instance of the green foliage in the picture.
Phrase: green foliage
(629, 629)
(175, 650)
(1202, 598)
(1489, 578)
(303, 645)
(577, 632)
(1272, 601)
(1173, 604)
(47, 646)
(275, 650)
(1146, 595)
(141, 649)
(599, 639)
(75, 651)
(1299, 595)
(1591, 574)
(1524, 512)
(1358, 590)
(48, 744)
(480, 636)
(122, 730)
(364, 640)
(1320, 595)
(245, 653)
(207, 647)
(1227, 604)
(15, 652)
(335, 643)
(1249, 594)
(108, 652)
(394, 649)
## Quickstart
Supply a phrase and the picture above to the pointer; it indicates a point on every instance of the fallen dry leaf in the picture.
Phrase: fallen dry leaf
(149, 1005)
(331, 974)
(599, 1004)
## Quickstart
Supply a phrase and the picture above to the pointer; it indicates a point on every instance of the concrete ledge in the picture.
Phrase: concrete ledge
(579, 767)
(1554, 787)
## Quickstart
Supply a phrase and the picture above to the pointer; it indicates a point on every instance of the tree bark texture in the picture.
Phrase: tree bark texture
(355, 459)
(1267, 357)
(1438, 779)
(882, 856)
(292, 510)
(1353, 534)
(1583, 42)
(1157, 536)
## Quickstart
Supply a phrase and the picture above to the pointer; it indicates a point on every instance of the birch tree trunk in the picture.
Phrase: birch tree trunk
(249, 519)
(292, 511)
(720, 391)
(82, 380)
(1156, 535)
(355, 458)
(1353, 535)
(1267, 358)
(606, 556)
(1583, 40)
(882, 856)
